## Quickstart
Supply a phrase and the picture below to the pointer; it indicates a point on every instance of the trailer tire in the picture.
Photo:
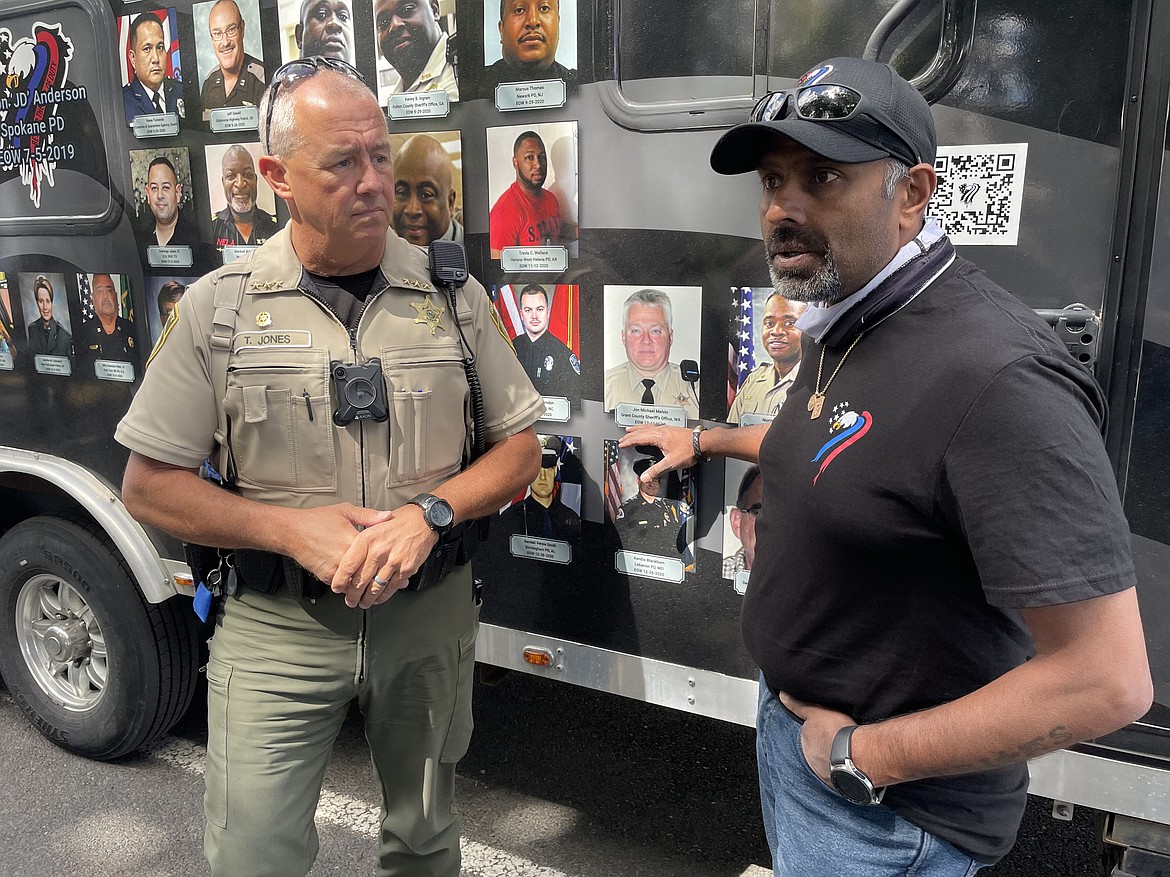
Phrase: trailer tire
(95, 667)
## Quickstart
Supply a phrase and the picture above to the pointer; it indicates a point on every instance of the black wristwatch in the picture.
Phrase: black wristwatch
(436, 512)
(847, 777)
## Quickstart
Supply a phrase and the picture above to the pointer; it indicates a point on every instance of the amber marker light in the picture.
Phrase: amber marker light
(538, 657)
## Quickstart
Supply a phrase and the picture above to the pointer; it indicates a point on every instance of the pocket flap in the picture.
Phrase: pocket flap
(255, 404)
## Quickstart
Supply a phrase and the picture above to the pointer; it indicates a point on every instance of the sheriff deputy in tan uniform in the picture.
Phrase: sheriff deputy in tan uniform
(332, 519)
(648, 377)
(766, 386)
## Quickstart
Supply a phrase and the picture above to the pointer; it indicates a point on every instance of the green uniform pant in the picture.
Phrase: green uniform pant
(280, 677)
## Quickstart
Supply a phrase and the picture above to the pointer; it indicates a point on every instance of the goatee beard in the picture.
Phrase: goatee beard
(823, 286)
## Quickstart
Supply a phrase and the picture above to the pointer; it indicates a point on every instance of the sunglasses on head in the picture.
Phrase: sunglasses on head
(830, 103)
(303, 68)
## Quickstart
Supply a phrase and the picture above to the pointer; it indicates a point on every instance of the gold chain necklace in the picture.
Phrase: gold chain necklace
(817, 400)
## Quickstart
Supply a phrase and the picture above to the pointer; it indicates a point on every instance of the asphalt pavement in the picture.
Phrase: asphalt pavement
(559, 782)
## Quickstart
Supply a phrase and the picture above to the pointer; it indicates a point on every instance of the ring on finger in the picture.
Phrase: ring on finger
(379, 581)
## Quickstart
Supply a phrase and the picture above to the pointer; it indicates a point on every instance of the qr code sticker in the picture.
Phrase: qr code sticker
(980, 190)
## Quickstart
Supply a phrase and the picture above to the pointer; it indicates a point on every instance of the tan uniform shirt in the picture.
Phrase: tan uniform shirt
(624, 384)
(437, 75)
(763, 392)
(280, 397)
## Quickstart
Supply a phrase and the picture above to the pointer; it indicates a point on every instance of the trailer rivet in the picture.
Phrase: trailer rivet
(691, 699)
(691, 682)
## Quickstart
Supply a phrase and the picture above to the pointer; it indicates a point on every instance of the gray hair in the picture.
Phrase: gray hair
(652, 298)
(282, 138)
(237, 149)
(895, 170)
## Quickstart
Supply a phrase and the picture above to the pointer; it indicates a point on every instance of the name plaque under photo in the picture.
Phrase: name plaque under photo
(6, 362)
(113, 370)
(230, 254)
(633, 414)
(234, 119)
(556, 408)
(740, 582)
(535, 548)
(419, 105)
(155, 125)
(534, 259)
(169, 257)
(649, 566)
(752, 418)
(540, 95)
(52, 365)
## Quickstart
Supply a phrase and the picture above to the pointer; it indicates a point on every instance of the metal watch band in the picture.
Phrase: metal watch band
(698, 451)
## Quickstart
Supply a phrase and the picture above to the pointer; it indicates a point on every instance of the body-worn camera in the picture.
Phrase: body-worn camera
(361, 392)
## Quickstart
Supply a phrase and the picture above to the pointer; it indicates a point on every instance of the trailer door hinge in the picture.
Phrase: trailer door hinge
(1079, 327)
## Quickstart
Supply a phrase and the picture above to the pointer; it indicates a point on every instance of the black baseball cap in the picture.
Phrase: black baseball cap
(907, 134)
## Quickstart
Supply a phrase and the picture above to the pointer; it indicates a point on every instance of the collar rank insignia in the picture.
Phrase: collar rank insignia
(416, 284)
(263, 320)
(429, 314)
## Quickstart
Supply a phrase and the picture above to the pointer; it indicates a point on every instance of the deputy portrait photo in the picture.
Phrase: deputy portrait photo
(428, 186)
(544, 322)
(229, 54)
(528, 40)
(651, 333)
(743, 492)
(533, 186)
(151, 69)
(413, 50)
(316, 27)
(164, 200)
(45, 303)
(652, 517)
(243, 205)
(550, 507)
(107, 330)
(765, 352)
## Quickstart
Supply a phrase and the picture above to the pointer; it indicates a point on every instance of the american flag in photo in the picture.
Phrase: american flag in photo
(509, 311)
(688, 524)
(613, 480)
(745, 336)
(125, 302)
(86, 294)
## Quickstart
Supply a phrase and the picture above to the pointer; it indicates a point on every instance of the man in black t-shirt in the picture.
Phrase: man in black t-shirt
(938, 508)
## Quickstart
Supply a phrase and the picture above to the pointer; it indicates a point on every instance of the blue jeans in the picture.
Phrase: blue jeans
(814, 832)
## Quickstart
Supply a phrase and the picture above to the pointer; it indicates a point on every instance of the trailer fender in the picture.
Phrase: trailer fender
(155, 576)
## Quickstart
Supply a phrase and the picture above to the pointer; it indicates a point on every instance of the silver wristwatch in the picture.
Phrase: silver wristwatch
(847, 777)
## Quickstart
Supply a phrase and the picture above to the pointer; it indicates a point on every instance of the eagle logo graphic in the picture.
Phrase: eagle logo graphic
(32, 66)
(846, 428)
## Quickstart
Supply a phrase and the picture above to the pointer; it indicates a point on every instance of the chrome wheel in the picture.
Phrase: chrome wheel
(61, 642)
